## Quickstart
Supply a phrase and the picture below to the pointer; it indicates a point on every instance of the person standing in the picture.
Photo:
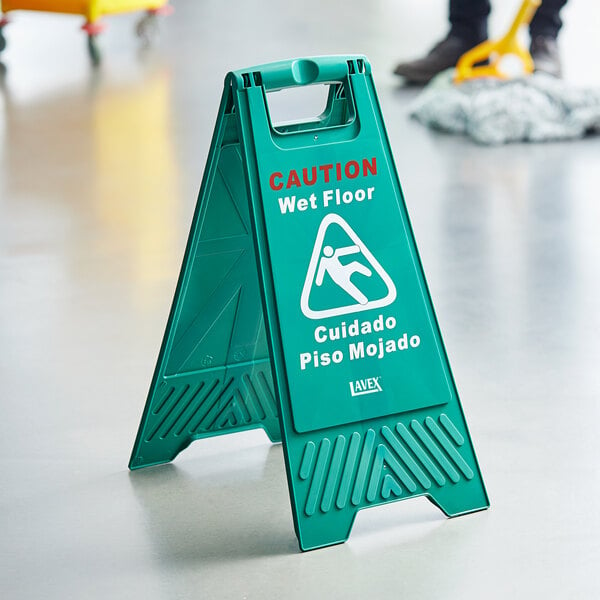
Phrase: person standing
(468, 27)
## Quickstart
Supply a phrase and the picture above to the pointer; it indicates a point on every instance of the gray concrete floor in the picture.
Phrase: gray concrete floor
(99, 173)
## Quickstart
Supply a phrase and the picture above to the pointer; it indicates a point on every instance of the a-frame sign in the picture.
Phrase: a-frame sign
(302, 308)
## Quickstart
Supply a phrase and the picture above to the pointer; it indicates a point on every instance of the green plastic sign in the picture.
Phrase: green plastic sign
(302, 294)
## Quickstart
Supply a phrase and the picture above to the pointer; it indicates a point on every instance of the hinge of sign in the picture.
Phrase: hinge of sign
(357, 66)
(252, 79)
(247, 80)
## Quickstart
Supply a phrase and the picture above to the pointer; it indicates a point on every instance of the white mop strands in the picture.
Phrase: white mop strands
(533, 108)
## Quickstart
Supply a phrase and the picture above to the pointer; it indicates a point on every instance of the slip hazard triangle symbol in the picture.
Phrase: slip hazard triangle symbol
(343, 276)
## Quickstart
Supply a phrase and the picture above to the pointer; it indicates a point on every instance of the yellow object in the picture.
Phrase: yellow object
(495, 51)
(92, 10)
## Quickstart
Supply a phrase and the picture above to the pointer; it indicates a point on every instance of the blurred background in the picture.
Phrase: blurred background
(99, 173)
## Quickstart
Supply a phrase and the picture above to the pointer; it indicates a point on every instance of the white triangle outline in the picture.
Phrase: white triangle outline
(312, 268)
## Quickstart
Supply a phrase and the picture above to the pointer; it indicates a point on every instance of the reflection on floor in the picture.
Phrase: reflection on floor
(99, 172)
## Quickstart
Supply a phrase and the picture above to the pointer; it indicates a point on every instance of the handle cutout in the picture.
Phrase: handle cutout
(309, 107)
(297, 104)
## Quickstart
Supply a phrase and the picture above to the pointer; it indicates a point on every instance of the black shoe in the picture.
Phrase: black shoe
(442, 56)
(544, 51)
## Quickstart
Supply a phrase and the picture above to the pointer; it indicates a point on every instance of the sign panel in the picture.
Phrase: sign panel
(349, 297)
(368, 408)
(213, 373)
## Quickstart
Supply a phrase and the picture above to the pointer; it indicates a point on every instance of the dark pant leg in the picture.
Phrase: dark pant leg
(546, 21)
(468, 19)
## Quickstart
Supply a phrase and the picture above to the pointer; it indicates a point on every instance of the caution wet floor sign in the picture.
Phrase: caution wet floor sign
(302, 308)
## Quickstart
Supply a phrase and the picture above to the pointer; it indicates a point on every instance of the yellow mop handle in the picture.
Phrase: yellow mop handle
(524, 16)
(508, 44)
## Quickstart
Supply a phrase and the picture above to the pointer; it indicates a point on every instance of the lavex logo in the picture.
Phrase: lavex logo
(370, 385)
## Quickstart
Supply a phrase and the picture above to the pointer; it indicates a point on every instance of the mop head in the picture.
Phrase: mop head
(534, 108)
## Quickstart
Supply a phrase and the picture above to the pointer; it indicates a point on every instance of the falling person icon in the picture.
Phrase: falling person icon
(375, 290)
(341, 273)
